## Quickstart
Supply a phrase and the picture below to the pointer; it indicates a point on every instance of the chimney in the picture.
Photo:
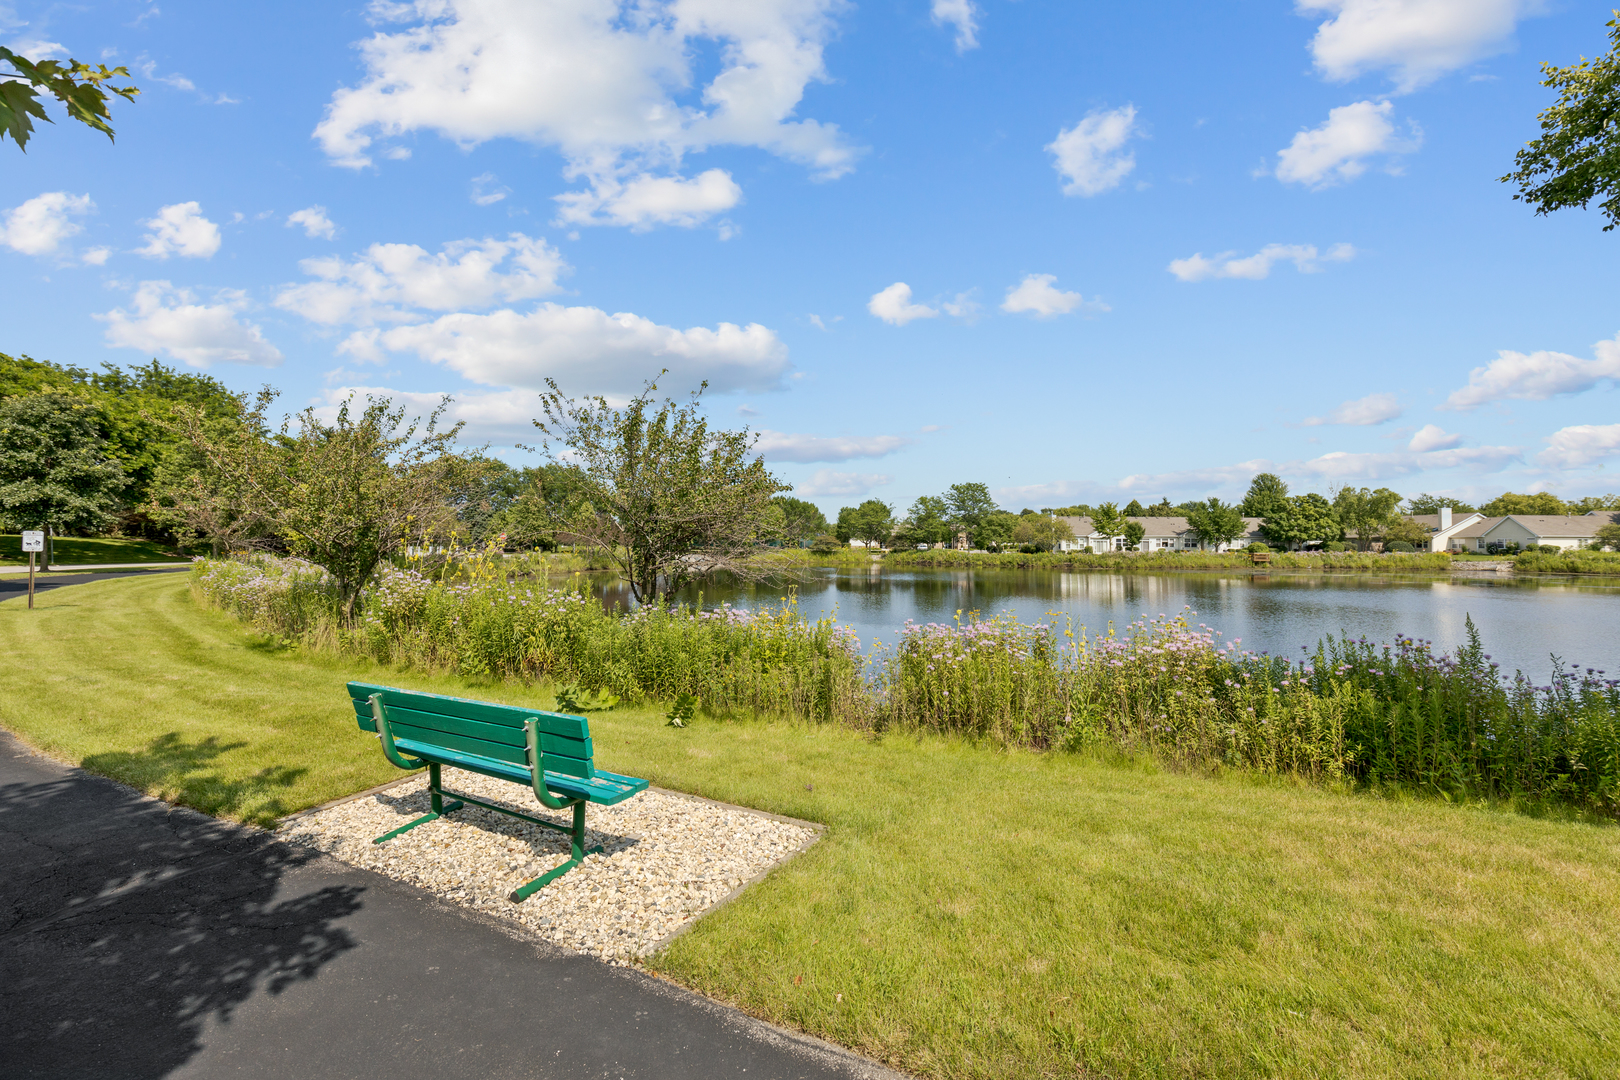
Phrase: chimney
(1445, 518)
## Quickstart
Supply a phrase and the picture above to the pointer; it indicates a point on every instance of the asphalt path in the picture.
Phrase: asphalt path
(17, 584)
(142, 940)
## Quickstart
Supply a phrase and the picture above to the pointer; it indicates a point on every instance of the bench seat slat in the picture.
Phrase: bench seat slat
(604, 789)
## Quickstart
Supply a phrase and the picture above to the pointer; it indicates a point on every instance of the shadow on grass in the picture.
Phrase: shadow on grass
(191, 774)
(129, 931)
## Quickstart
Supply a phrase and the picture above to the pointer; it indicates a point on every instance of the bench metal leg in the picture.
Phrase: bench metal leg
(435, 800)
(576, 853)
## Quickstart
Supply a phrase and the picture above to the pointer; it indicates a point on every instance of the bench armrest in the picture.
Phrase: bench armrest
(386, 734)
(537, 767)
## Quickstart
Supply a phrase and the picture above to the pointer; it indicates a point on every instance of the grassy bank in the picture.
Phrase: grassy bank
(1568, 562)
(79, 549)
(971, 912)
(1162, 562)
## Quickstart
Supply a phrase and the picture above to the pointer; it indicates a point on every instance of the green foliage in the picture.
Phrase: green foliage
(1133, 534)
(1365, 513)
(969, 506)
(1577, 156)
(1568, 562)
(683, 711)
(1134, 508)
(1162, 508)
(1267, 497)
(1400, 546)
(1607, 537)
(1594, 502)
(1216, 523)
(55, 469)
(78, 87)
(1303, 519)
(871, 522)
(1041, 532)
(667, 497)
(927, 522)
(827, 544)
(1258, 548)
(1542, 502)
(801, 521)
(1335, 546)
(1432, 504)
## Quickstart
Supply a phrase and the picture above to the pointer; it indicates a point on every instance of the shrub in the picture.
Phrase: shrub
(1335, 546)
(1401, 546)
(1258, 548)
(828, 544)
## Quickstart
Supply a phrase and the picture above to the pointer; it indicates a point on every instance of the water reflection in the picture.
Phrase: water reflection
(1521, 620)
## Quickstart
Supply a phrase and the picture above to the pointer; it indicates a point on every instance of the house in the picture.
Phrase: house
(1445, 528)
(1159, 534)
(1568, 531)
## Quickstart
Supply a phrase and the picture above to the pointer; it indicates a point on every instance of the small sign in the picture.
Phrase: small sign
(33, 540)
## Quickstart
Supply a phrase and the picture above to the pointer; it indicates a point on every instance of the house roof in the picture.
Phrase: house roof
(1478, 528)
(1565, 525)
(1151, 526)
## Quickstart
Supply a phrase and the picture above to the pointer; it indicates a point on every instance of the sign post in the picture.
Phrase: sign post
(32, 540)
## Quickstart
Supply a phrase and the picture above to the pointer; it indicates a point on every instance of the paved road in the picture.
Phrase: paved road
(141, 940)
(17, 585)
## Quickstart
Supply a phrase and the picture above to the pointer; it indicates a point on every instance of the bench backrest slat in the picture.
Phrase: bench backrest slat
(481, 728)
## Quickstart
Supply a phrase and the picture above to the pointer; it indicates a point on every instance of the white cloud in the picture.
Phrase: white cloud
(1432, 437)
(781, 446)
(1335, 467)
(487, 190)
(1090, 155)
(1338, 151)
(603, 81)
(503, 416)
(169, 320)
(1255, 267)
(963, 15)
(1037, 295)
(1208, 478)
(1418, 40)
(148, 69)
(1362, 412)
(646, 201)
(40, 225)
(314, 221)
(392, 282)
(893, 305)
(181, 229)
(1537, 376)
(1581, 445)
(96, 256)
(37, 48)
(585, 349)
(827, 482)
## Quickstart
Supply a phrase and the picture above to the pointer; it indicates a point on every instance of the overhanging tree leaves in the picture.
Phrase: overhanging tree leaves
(80, 88)
(1577, 157)
(345, 495)
(1216, 523)
(667, 498)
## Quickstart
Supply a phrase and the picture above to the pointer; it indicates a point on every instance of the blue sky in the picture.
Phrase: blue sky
(1075, 250)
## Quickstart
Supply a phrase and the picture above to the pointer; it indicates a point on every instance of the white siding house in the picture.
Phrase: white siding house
(1159, 534)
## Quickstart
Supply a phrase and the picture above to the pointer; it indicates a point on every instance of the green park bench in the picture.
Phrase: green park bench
(548, 752)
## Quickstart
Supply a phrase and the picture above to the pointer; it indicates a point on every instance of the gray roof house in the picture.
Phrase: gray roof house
(1159, 534)
(1567, 531)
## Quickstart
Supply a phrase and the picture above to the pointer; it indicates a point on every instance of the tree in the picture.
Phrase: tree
(1304, 519)
(345, 495)
(1594, 502)
(1577, 157)
(872, 522)
(1134, 509)
(1107, 519)
(1606, 537)
(77, 86)
(1266, 496)
(801, 521)
(1043, 531)
(55, 469)
(1216, 523)
(1162, 508)
(1133, 535)
(1402, 528)
(996, 531)
(1433, 504)
(667, 498)
(1543, 502)
(969, 505)
(926, 522)
(1077, 510)
(1364, 512)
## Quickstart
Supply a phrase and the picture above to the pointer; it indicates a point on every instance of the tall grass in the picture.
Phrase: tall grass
(1568, 562)
(1351, 711)
(1158, 562)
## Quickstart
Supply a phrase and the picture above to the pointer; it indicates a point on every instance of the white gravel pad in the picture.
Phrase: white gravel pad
(666, 859)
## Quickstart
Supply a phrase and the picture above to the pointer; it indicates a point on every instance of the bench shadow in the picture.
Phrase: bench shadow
(543, 841)
(130, 929)
(191, 775)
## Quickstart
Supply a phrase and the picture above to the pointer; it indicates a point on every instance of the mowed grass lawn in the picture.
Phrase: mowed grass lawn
(90, 550)
(970, 912)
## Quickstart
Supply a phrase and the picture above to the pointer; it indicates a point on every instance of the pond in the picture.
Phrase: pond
(1522, 621)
